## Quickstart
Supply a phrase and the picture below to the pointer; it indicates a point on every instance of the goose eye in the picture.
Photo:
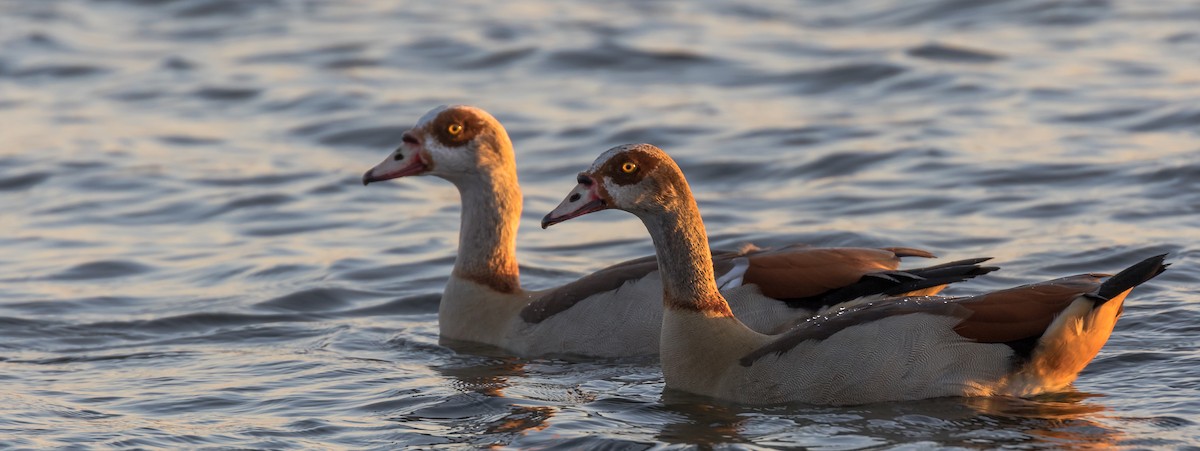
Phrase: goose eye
(628, 168)
(454, 129)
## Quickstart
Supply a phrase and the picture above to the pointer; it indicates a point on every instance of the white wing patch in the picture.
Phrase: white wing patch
(733, 278)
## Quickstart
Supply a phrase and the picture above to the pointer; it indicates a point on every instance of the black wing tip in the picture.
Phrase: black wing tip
(897, 283)
(1133, 276)
(985, 270)
(960, 270)
(964, 262)
(891, 276)
(940, 275)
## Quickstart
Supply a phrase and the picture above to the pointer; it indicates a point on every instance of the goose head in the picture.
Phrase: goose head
(456, 142)
(638, 178)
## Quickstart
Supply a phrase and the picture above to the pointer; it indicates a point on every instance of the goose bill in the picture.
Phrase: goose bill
(580, 201)
(391, 168)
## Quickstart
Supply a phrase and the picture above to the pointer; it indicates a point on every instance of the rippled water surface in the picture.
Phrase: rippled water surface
(189, 259)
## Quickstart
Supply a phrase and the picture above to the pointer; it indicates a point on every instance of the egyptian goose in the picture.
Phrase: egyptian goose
(612, 312)
(1016, 342)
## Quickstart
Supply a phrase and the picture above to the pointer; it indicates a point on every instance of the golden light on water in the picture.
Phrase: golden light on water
(190, 259)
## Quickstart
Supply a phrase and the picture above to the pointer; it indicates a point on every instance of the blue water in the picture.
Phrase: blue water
(189, 259)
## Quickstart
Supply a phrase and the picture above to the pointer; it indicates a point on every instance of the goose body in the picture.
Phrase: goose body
(613, 312)
(1016, 342)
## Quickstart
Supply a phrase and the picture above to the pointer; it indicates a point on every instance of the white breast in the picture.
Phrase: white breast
(622, 322)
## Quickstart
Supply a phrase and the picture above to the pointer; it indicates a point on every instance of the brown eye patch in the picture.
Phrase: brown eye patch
(629, 167)
(455, 127)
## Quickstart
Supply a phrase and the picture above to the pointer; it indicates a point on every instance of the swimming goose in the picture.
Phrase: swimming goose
(613, 312)
(1016, 342)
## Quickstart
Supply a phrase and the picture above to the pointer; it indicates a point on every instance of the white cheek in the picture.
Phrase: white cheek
(622, 196)
(446, 161)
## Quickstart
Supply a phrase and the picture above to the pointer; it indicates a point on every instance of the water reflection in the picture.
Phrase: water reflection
(522, 420)
(1056, 421)
(1065, 405)
(486, 376)
(490, 377)
(1066, 419)
(700, 424)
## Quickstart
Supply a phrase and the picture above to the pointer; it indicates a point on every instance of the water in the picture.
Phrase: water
(189, 259)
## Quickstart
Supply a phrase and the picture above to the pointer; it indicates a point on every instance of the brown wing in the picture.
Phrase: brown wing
(1022, 312)
(800, 272)
(559, 299)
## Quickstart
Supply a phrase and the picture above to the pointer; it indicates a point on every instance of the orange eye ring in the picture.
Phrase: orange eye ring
(454, 129)
(628, 167)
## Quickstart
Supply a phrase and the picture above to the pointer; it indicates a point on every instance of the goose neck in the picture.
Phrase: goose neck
(487, 243)
(681, 246)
